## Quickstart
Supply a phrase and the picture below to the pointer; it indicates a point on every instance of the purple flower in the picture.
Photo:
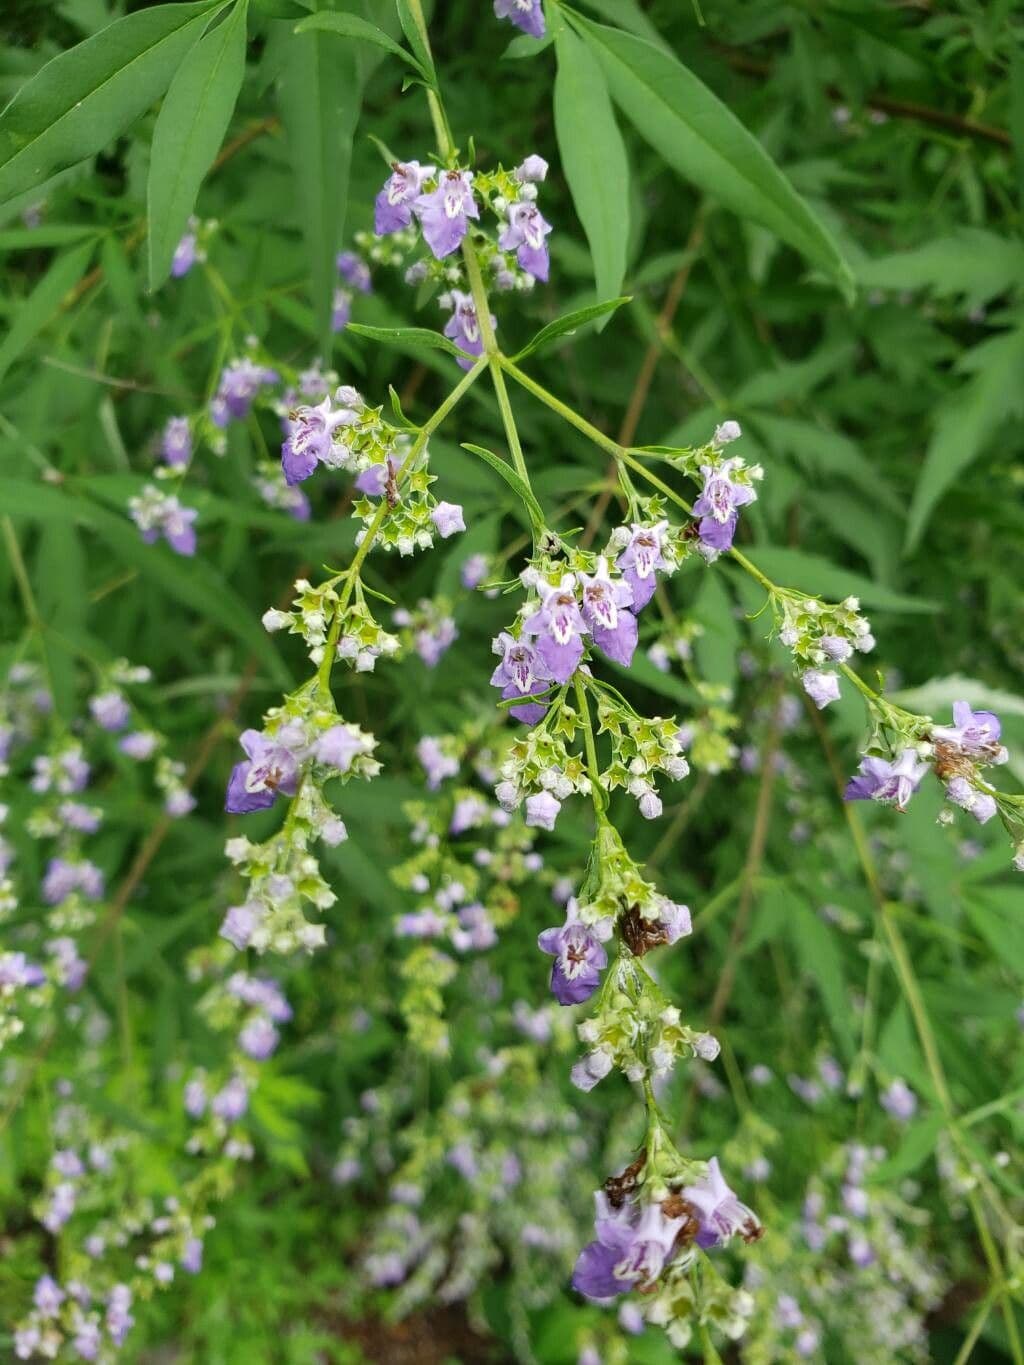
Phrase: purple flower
(542, 811)
(354, 271)
(821, 686)
(639, 560)
(559, 627)
(893, 784)
(62, 878)
(338, 746)
(195, 1099)
(975, 733)
(899, 1101)
(533, 169)
(272, 767)
(311, 439)
(718, 502)
(373, 481)
(722, 1215)
(436, 763)
(158, 514)
(474, 571)
(239, 384)
(176, 442)
(185, 256)
(110, 710)
(448, 519)
(463, 327)
(524, 233)
(579, 955)
(432, 641)
(140, 744)
(119, 1319)
(192, 1256)
(259, 1038)
(445, 212)
(47, 1296)
(341, 309)
(393, 205)
(241, 922)
(521, 673)
(17, 970)
(632, 1247)
(979, 804)
(525, 14)
(604, 609)
(231, 1102)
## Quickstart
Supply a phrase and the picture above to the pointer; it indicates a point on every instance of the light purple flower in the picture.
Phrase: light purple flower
(87, 1339)
(311, 439)
(448, 519)
(822, 686)
(525, 14)
(899, 1100)
(139, 745)
(719, 500)
(272, 768)
(393, 205)
(605, 610)
(975, 733)
(259, 1038)
(231, 1102)
(463, 327)
(17, 970)
(559, 626)
(241, 922)
(579, 955)
(836, 648)
(354, 271)
(533, 169)
(63, 877)
(374, 480)
(474, 571)
(589, 1070)
(432, 641)
(185, 256)
(119, 1319)
(641, 558)
(979, 804)
(239, 384)
(176, 442)
(892, 784)
(436, 763)
(192, 1256)
(632, 1247)
(722, 1215)
(542, 811)
(341, 309)
(521, 673)
(82, 819)
(338, 746)
(444, 213)
(48, 1296)
(525, 234)
(110, 710)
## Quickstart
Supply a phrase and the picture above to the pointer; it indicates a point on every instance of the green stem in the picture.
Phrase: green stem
(28, 601)
(596, 790)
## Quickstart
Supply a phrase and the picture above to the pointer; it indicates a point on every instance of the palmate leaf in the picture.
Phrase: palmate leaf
(704, 141)
(188, 134)
(85, 97)
(593, 157)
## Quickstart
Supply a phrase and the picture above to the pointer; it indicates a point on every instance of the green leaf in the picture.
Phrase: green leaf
(968, 421)
(408, 336)
(703, 140)
(194, 582)
(1017, 117)
(814, 574)
(819, 957)
(593, 157)
(917, 1144)
(36, 311)
(533, 507)
(570, 323)
(972, 264)
(627, 14)
(319, 93)
(352, 26)
(84, 98)
(997, 917)
(188, 134)
(527, 46)
(940, 693)
(415, 41)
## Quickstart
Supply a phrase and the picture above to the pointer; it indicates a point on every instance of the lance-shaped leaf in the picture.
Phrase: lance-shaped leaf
(704, 141)
(85, 97)
(570, 323)
(352, 26)
(408, 336)
(532, 507)
(593, 157)
(40, 306)
(320, 93)
(188, 134)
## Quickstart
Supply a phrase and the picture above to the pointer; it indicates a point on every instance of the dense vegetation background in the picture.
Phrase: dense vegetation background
(834, 952)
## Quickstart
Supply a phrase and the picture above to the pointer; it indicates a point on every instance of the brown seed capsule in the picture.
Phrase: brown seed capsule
(640, 934)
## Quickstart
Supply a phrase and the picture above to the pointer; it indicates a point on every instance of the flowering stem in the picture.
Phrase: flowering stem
(596, 790)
